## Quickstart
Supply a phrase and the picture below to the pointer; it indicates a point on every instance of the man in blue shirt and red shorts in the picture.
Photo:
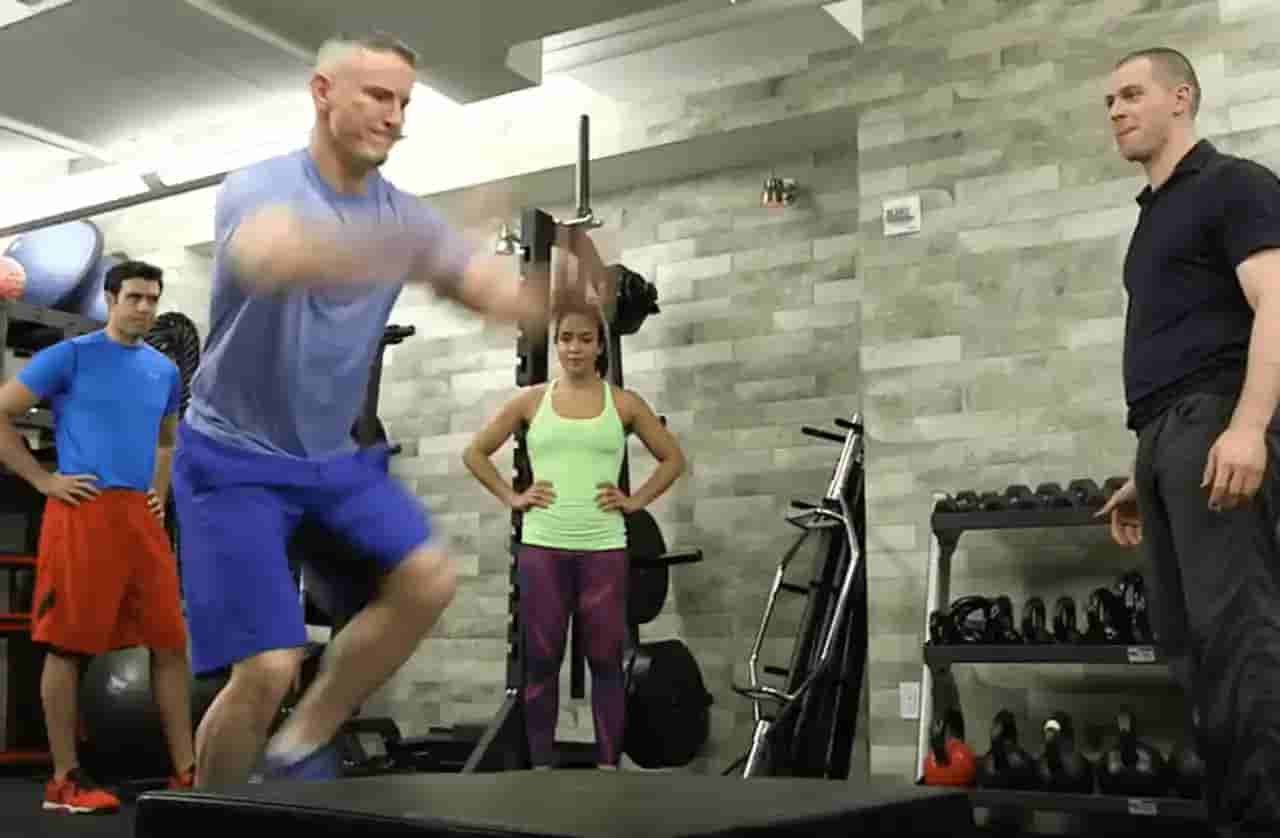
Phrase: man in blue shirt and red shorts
(106, 577)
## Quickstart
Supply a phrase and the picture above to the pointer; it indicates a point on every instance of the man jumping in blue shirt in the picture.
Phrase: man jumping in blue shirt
(312, 250)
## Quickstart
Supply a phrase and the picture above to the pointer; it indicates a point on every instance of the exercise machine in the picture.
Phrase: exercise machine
(807, 727)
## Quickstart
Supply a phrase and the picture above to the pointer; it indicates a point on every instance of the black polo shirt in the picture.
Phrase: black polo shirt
(1188, 323)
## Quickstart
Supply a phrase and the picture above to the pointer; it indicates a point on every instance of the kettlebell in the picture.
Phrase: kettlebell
(1064, 621)
(1061, 767)
(1186, 767)
(1006, 765)
(1132, 768)
(1033, 622)
(950, 761)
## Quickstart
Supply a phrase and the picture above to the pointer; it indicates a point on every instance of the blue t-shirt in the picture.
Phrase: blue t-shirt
(108, 400)
(286, 373)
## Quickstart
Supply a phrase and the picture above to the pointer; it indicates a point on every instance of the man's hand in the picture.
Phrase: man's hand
(1235, 467)
(69, 488)
(1122, 507)
(611, 498)
(155, 505)
(583, 272)
(265, 242)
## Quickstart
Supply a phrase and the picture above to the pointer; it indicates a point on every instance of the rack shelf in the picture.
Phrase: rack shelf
(948, 525)
(20, 312)
(954, 523)
(938, 655)
(1102, 804)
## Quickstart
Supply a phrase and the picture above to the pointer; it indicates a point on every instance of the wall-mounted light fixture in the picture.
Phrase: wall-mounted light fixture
(507, 243)
(778, 192)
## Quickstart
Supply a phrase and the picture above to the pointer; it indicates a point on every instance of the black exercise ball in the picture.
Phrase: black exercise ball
(122, 736)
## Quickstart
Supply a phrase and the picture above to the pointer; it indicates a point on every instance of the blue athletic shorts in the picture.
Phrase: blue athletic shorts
(237, 510)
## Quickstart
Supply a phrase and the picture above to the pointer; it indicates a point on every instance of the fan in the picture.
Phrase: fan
(176, 336)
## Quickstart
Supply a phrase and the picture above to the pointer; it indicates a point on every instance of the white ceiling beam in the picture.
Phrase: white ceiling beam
(35, 132)
(218, 12)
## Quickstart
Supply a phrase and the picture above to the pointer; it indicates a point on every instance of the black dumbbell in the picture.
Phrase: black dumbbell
(1106, 620)
(1085, 493)
(1131, 589)
(1021, 497)
(1051, 496)
(1000, 626)
(992, 502)
(967, 619)
(1065, 625)
(1035, 622)
(939, 629)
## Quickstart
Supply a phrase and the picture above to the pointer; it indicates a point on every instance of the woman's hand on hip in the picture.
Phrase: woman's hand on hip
(610, 498)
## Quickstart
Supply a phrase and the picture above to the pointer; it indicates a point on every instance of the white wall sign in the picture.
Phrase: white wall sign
(902, 215)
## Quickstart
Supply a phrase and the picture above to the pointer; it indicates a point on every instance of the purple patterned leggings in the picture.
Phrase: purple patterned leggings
(555, 584)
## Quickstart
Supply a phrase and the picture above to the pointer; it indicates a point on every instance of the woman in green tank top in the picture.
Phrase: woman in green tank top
(572, 556)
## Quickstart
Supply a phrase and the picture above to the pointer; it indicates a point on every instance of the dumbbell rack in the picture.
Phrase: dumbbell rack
(26, 329)
(935, 680)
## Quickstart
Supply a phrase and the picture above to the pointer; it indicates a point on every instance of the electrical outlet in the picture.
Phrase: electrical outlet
(909, 699)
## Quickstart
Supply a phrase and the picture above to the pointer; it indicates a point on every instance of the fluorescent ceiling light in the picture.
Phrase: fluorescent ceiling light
(288, 132)
(12, 11)
(848, 13)
(69, 193)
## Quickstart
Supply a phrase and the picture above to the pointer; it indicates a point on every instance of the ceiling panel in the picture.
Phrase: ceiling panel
(464, 45)
(696, 45)
(123, 68)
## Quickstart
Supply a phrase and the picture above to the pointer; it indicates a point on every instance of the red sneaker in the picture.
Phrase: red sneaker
(185, 780)
(77, 794)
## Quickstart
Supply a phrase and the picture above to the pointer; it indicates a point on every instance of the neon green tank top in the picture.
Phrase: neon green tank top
(574, 456)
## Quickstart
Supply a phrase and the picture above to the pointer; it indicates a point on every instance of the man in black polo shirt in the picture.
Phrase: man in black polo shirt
(1202, 381)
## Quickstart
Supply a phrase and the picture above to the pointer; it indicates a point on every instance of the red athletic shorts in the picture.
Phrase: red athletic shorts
(106, 577)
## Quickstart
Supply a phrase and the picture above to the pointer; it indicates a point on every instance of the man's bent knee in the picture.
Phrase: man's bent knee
(426, 581)
(265, 679)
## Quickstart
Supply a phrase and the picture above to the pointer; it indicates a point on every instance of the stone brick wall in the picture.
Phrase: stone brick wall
(992, 340)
